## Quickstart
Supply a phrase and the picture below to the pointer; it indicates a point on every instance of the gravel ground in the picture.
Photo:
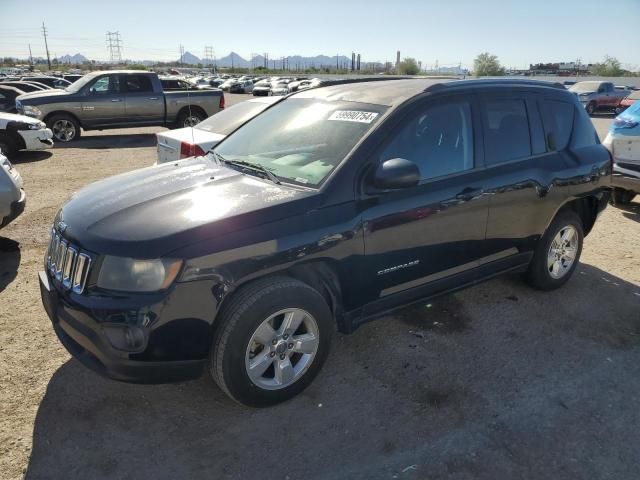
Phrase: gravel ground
(497, 381)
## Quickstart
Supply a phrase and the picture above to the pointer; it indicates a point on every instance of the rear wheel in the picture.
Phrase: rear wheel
(622, 197)
(65, 128)
(557, 253)
(271, 341)
(591, 108)
(190, 118)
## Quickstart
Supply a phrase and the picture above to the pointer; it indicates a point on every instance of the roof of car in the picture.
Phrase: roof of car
(391, 92)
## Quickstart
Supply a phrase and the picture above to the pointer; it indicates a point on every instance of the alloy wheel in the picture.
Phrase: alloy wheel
(562, 252)
(282, 349)
(64, 130)
(191, 121)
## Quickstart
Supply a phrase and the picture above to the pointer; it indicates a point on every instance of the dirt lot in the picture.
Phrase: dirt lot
(495, 382)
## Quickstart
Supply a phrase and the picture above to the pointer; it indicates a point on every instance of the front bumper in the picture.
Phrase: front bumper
(37, 139)
(15, 210)
(85, 339)
(625, 179)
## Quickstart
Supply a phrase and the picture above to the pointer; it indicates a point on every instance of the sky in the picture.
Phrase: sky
(450, 32)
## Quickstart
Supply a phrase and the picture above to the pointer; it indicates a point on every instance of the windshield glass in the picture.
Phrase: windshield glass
(302, 139)
(232, 117)
(585, 87)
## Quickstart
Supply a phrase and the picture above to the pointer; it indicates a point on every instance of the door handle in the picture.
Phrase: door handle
(469, 193)
(153, 98)
(116, 99)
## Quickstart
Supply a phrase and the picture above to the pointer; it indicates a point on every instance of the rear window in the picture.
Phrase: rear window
(232, 117)
(584, 134)
(558, 119)
(507, 131)
(138, 83)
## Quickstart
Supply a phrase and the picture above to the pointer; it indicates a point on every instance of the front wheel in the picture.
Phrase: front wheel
(557, 253)
(65, 128)
(271, 340)
(591, 108)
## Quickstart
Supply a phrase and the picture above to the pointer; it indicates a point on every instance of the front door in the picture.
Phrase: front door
(103, 104)
(428, 234)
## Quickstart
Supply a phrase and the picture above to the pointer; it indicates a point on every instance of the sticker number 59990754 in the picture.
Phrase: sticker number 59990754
(353, 116)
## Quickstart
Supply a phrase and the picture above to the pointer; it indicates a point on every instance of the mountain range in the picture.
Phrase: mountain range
(297, 61)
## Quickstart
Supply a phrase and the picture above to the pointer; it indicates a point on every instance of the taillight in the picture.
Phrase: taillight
(189, 150)
(624, 123)
(221, 105)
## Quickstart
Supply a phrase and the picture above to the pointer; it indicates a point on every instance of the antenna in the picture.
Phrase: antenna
(46, 46)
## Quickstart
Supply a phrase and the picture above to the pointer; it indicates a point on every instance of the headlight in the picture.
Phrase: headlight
(131, 275)
(36, 126)
(32, 111)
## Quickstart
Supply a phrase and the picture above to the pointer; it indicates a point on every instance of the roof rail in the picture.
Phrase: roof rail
(344, 81)
(494, 81)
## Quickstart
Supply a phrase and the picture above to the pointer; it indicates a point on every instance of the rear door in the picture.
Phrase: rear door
(142, 104)
(527, 176)
(103, 103)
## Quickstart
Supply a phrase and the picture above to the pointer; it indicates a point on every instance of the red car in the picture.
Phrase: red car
(628, 101)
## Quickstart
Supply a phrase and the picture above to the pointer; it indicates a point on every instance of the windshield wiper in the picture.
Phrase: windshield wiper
(251, 166)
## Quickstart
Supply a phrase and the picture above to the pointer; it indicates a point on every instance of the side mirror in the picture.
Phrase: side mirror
(396, 173)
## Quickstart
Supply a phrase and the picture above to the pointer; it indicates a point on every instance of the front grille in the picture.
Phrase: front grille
(630, 166)
(67, 264)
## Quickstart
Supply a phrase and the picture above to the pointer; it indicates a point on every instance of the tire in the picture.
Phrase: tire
(622, 197)
(591, 108)
(540, 274)
(65, 128)
(234, 341)
(8, 146)
(190, 119)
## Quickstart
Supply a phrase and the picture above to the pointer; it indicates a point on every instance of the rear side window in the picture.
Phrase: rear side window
(584, 134)
(558, 123)
(507, 134)
(139, 83)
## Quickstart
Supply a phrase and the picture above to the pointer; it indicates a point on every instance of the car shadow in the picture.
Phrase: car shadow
(28, 156)
(9, 261)
(134, 140)
(630, 210)
(523, 383)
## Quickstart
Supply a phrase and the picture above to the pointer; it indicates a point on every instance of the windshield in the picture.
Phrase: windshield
(302, 139)
(585, 87)
(232, 117)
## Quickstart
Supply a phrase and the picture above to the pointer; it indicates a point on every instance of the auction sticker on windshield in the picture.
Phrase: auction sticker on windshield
(353, 116)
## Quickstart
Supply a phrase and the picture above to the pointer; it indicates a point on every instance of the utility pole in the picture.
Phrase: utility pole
(265, 56)
(181, 55)
(337, 62)
(30, 57)
(46, 46)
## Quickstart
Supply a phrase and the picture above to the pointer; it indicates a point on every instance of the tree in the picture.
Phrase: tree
(610, 67)
(487, 65)
(408, 66)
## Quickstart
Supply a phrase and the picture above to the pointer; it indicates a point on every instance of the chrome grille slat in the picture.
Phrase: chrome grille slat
(67, 263)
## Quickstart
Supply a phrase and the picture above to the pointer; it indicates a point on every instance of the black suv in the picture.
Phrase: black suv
(326, 210)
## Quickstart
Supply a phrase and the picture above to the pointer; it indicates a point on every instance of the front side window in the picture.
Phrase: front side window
(439, 140)
(302, 139)
(507, 134)
(105, 85)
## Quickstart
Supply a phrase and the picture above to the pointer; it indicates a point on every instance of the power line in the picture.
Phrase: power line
(46, 46)
(114, 45)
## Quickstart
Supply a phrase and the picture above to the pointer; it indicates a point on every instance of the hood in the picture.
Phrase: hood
(28, 97)
(150, 212)
(5, 118)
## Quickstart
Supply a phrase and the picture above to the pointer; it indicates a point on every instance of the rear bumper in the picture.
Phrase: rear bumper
(15, 210)
(85, 340)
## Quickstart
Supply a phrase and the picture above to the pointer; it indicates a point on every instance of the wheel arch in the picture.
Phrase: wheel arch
(585, 207)
(193, 108)
(61, 112)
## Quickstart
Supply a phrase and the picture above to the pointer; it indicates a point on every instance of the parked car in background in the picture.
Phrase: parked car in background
(280, 87)
(623, 141)
(12, 196)
(72, 77)
(51, 82)
(329, 209)
(627, 101)
(241, 86)
(19, 132)
(192, 141)
(170, 84)
(598, 96)
(26, 86)
(117, 99)
(262, 88)
(8, 97)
